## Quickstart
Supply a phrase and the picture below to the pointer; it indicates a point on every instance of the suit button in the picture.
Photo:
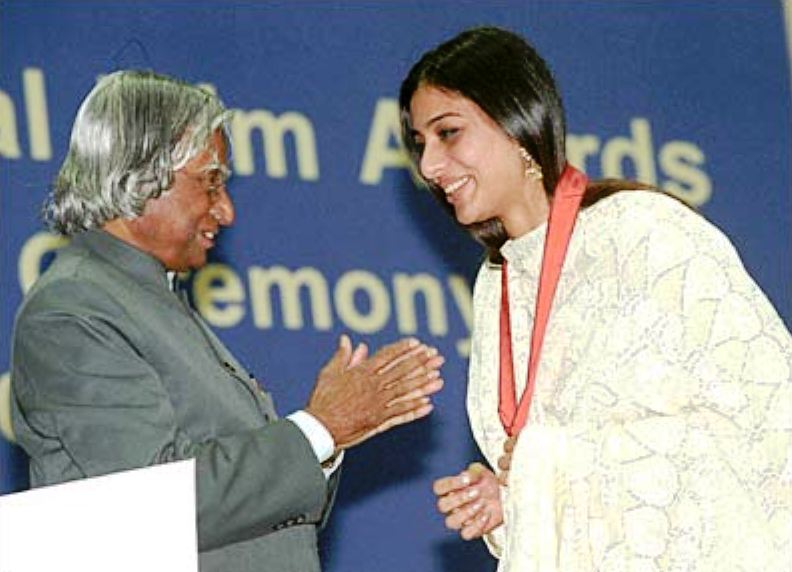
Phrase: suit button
(300, 519)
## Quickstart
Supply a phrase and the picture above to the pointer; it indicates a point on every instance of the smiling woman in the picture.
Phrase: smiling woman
(476, 164)
(647, 434)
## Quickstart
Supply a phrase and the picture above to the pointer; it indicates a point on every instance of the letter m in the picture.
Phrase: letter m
(289, 284)
(273, 132)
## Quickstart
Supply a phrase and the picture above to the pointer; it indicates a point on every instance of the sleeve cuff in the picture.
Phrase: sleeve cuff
(318, 436)
(495, 541)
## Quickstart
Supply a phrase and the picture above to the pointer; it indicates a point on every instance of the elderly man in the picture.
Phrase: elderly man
(113, 370)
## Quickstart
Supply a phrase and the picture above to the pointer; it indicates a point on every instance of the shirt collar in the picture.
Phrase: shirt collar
(525, 252)
(138, 264)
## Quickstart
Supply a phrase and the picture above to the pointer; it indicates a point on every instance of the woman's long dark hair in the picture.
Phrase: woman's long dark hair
(505, 76)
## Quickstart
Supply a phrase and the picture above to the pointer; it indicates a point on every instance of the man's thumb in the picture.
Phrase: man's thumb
(343, 353)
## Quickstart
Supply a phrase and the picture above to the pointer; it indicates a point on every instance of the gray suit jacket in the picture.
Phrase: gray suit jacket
(112, 371)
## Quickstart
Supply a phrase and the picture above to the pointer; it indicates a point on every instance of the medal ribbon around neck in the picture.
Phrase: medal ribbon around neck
(563, 212)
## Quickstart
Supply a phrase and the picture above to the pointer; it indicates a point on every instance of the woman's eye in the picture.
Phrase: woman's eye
(448, 132)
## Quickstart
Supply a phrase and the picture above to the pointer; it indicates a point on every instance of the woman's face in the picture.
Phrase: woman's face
(468, 155)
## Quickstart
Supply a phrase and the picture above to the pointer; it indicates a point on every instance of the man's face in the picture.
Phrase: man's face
(180, 226)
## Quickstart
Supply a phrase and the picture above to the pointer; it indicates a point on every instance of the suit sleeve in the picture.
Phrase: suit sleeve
(86, 403)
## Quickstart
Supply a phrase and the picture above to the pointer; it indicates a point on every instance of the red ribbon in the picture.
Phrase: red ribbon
(563, 212)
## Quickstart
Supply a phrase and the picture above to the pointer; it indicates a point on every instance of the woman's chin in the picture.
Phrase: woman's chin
(465, 218)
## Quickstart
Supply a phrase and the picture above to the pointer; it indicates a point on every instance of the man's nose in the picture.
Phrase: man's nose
(223, 209)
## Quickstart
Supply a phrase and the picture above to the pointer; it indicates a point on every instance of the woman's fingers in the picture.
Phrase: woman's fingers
(477, 526)
(456, 500)
(470, 501)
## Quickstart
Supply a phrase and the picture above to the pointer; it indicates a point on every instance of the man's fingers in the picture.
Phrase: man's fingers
(432, 364)
(355, 402)
(503, 478)
(406, 412)
(416, 352)
(344, 344)
(359, 355)
(428, 387)
(401, 419)
(340, 359)
(403, 379)
(414, 365)
(399, 414)
(412, 390)
(422, 410)
(392, 352)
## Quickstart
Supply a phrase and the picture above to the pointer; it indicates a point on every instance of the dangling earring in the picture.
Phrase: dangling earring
(532, 168)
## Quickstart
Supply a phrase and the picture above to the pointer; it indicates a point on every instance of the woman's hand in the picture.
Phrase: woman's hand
(470, 501)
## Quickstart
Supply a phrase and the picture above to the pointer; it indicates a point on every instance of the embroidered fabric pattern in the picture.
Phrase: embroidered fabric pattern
(659, 434)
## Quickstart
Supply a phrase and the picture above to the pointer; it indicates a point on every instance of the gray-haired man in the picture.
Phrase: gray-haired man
(113, 370)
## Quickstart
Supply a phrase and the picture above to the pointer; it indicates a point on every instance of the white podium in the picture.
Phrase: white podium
(141, 520)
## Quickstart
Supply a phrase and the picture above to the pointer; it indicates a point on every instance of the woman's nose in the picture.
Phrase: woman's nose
(432, 161)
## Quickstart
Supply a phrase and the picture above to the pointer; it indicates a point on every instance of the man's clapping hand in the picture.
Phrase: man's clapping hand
(357, 397)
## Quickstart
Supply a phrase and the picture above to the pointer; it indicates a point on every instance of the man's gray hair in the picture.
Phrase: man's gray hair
(132, 131)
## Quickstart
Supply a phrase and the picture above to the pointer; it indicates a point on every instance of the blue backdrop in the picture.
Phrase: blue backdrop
(332, 236)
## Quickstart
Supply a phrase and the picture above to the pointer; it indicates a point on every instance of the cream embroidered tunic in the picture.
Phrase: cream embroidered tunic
(659, 434)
